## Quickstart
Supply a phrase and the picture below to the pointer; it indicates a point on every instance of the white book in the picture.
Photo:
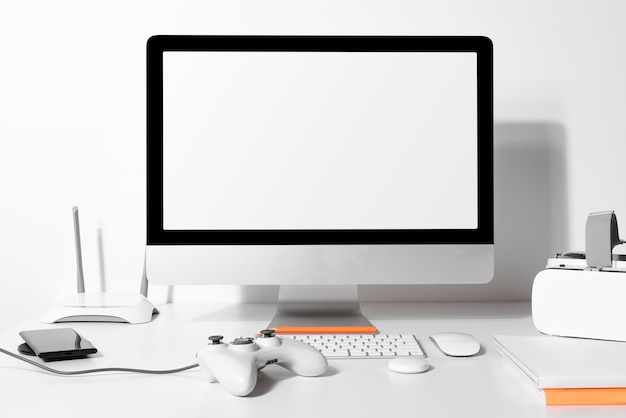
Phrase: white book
(561, 362)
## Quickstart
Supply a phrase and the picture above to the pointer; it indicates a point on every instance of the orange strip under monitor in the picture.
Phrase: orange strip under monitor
(586, 396)
(327, 330)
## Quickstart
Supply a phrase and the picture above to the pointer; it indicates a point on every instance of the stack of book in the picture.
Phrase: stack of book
(567, 371)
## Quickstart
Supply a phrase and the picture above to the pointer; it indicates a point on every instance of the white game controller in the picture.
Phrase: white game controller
(235, 365)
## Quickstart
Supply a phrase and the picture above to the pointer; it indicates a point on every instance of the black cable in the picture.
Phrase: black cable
(105, 369)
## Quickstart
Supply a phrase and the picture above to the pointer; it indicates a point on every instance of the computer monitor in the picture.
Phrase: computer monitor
(319, 163)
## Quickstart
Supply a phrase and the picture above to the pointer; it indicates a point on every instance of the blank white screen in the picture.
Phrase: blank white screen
(319, 140)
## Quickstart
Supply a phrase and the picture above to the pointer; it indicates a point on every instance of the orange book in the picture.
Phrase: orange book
(585, 396)
(326, 330)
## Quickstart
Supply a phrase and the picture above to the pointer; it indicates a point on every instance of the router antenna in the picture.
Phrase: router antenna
(80, 279)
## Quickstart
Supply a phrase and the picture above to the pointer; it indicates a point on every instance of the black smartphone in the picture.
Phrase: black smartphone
(56, 344)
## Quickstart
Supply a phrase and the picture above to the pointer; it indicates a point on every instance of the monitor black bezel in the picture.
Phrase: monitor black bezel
(156, 45)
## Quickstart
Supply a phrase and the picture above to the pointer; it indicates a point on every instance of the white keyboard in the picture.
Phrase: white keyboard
(363, 345)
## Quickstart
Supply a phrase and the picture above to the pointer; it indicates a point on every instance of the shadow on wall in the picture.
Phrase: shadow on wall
(530, 211)
(530, 202)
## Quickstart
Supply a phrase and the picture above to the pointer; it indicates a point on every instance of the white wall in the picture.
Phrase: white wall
(72, 127)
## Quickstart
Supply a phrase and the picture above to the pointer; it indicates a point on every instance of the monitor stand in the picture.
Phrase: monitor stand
(320, 309)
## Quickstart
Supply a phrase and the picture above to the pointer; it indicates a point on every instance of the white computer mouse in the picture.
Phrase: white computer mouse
(408, 364)
(456, 344)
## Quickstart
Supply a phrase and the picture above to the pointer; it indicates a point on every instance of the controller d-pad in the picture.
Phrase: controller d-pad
(243, 341)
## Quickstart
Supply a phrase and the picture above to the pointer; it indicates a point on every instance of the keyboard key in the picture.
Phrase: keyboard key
(363, 346)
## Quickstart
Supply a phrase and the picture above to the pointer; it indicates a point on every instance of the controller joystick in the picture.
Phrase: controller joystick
(216, 339)
(235, 365)
(268, 333)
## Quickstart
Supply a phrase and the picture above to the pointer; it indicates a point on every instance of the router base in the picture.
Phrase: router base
(102, 307)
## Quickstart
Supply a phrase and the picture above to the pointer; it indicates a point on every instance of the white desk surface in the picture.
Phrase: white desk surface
(479, 386)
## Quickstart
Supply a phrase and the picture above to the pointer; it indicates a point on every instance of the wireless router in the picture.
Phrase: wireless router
(100, 307)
